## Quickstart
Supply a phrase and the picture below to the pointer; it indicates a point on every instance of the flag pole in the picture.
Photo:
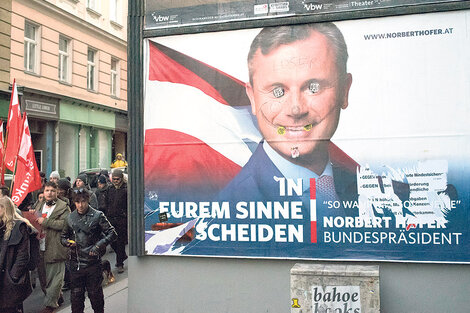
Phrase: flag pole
(16, 157)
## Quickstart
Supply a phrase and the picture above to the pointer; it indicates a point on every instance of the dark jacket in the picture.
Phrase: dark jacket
(101, 196)
(14, 275)
(116, 202)
(88, 230)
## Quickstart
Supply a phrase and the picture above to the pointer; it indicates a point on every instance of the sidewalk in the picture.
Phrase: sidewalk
(115, 299)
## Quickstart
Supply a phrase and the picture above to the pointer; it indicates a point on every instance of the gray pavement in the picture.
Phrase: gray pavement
(115, 299)
(115, 294)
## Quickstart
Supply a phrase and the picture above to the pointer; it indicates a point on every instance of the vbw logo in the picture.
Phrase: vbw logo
(160, 18)
(312, 6)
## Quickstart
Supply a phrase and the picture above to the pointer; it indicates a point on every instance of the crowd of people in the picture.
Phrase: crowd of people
(68, 226)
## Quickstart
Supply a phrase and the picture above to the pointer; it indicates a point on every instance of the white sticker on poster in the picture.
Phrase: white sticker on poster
(279, 7)
(261, 9)
(338, 299)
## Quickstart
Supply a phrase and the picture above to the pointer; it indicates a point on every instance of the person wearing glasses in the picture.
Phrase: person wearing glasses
(81, 183)
(116, 211)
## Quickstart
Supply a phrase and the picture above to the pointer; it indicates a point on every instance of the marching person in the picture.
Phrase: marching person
(81, 183)
(101, 193)
(54, 176)
(87, 232)
(51, 269)
(15, 283)
(64, 191)
(116, 211)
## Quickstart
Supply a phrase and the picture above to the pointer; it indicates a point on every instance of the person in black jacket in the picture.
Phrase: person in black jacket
(101, 193)
(116, 211)
(87, 232)
(15, 284)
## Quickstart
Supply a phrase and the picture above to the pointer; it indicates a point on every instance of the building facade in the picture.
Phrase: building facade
(5, 34)
(69, 60)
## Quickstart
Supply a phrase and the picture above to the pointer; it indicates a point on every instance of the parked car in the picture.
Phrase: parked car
(94, 173)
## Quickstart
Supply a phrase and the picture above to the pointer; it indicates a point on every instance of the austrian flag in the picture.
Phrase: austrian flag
(198, 125)
(199, 129)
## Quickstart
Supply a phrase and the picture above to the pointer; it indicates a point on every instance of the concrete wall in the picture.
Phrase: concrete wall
(209, 285)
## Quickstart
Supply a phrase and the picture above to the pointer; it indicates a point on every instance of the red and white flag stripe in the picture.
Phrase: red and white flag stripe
(197, 122)
(313, 211)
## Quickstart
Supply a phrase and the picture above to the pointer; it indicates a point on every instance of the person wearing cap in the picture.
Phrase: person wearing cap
(55, 176)
(105, 173)
(101, 193)
(64, 191)
(116, 211)
(119, 162)
(81, 183)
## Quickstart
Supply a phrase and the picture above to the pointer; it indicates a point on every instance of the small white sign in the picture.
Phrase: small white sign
(337, 299)
(261, 9)
(279, 7)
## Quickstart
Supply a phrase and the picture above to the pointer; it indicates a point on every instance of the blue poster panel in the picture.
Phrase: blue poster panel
(332, 141)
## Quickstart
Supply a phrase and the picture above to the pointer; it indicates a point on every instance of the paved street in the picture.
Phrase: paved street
(116, 290)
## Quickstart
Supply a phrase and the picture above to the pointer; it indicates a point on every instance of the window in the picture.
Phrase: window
(64, 59)
(91, 70)
(92, 4)
(115, 77)
(30, 47)
(113, 10)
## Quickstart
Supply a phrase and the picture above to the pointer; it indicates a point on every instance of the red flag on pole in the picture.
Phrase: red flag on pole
(27, 178)
(2, 154)
(14, 125)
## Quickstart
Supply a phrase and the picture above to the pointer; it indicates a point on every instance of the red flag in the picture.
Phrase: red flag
(2, 153)
(27, 178)
(14, 125)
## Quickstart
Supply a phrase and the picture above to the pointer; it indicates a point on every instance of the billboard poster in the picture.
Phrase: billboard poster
(164, 14)
(332, 141)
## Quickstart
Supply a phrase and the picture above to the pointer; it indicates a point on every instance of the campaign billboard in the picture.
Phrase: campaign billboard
(171, 13)
(326, 141)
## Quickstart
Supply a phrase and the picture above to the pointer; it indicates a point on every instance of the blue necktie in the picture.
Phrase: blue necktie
(326, 188)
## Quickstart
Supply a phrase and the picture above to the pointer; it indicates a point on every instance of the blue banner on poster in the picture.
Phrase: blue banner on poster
(312, 141)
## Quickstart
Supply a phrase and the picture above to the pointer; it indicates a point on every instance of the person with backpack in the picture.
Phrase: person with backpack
(53, 212)
(15, 257)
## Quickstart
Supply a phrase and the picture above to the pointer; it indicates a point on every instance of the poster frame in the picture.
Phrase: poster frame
(136, 34)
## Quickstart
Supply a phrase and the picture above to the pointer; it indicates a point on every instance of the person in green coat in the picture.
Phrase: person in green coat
(52, 214)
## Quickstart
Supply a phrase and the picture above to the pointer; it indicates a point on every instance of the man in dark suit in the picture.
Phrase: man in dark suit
(298, 86)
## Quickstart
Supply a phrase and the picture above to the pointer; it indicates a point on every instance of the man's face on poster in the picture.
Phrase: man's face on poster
(297, 94)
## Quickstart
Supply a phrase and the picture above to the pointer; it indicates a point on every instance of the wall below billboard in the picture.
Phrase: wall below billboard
(203, 285)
